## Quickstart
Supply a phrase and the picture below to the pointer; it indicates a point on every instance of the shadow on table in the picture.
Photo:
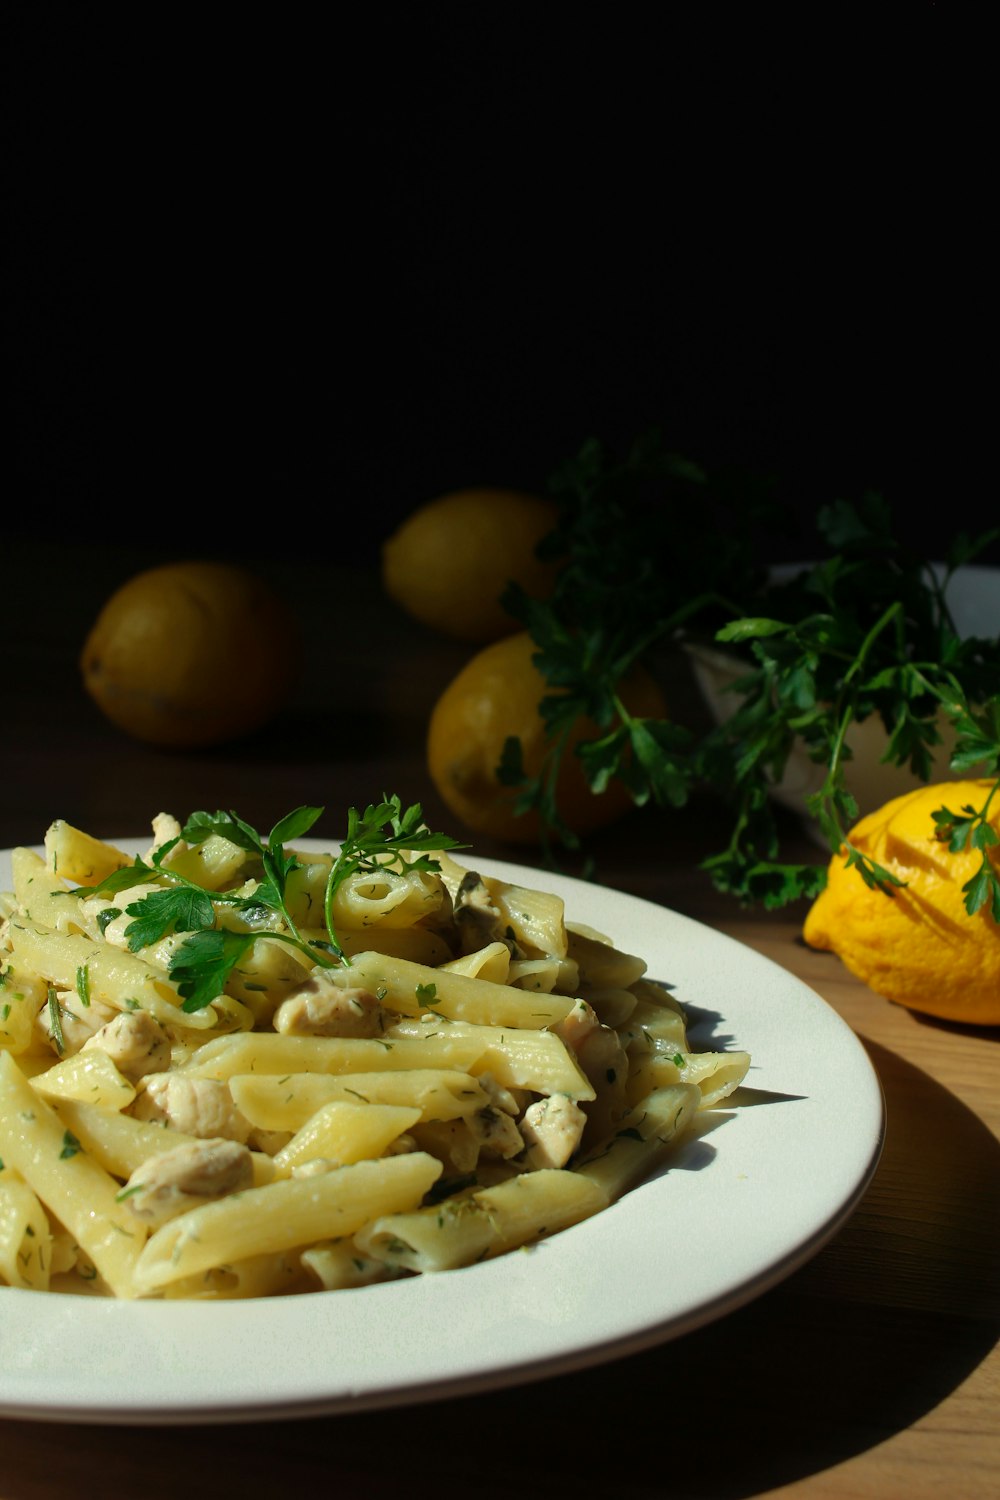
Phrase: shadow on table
(873, 1333)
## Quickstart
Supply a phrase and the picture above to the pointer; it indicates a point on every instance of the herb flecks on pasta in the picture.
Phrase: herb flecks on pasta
(234, 1067)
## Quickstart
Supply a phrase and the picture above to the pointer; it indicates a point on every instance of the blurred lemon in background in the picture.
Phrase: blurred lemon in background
(190, 654)
(495, 695)
(450, 561)
(918, 946)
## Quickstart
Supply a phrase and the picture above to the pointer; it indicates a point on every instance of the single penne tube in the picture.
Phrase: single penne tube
(29, 867)
(390, 898)
(602, 965)
(650, 1027)
(344, 1131)
(387, 898)
(641, 1140)
(715, 1074)
(516, 1057)
(266, 975)
(657, 996)
(286, 1103)
(213, 864)
(22, 994)
(411, 989)
(613, 1006)
(277, 1052)
(491, 962)
(115, 977)
(286, 1213)
(476, 1226)
(537, 919)
(44, 897)
(71, 1184)
(418, 944)
(25, 1237)
(78, 856)
(457, 1232)
(254, 1276)
(305, 889)
(89, 1075)
(339, 1263)
(121, 1144)
(543, 974)
(533, 1205)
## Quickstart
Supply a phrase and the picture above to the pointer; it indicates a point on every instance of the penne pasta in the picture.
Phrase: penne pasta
(343, 1131)
(287, 1102)
(282, 1215)
(479, 1225)
(74, 1188)
(412, 989)
(230, 1070)
(25, 1237)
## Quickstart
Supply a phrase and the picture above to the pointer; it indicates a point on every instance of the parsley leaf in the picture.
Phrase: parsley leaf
(137, 873)
(384, 836)
(655, 551)
(180, 909)
(201, 966)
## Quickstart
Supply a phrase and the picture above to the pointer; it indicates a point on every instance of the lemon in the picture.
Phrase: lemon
(449, 562)
(190, 654)
(496, 694)
(918, 946)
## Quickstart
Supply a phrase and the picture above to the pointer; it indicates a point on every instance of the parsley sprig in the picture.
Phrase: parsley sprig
(384, 836)
(653, 550)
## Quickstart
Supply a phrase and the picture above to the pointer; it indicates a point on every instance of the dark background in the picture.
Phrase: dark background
(271, 284)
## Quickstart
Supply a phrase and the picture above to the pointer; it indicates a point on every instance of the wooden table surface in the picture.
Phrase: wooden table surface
(872, 1371)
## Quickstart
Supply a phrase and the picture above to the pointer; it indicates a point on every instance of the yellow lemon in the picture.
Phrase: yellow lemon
(918, 946)
(191, 653)
(495, 695)
(448, 563)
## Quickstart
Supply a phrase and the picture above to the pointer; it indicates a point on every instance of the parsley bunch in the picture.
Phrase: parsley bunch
(384, 836)
(653, 550)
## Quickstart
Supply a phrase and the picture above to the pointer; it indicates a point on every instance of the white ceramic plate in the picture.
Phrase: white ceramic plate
(763, 1185)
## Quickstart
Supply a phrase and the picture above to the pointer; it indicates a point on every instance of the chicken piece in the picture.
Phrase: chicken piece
(493, 1128)
(73, 1023)
(136, 1043)
(496, 1132)
(165, 828)
(322, 1008)
(182, 1178)
(197, 1106)
(575, 1028)
(552, 1129)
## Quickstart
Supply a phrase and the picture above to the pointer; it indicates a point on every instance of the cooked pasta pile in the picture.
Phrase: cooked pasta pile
(473, 1074)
